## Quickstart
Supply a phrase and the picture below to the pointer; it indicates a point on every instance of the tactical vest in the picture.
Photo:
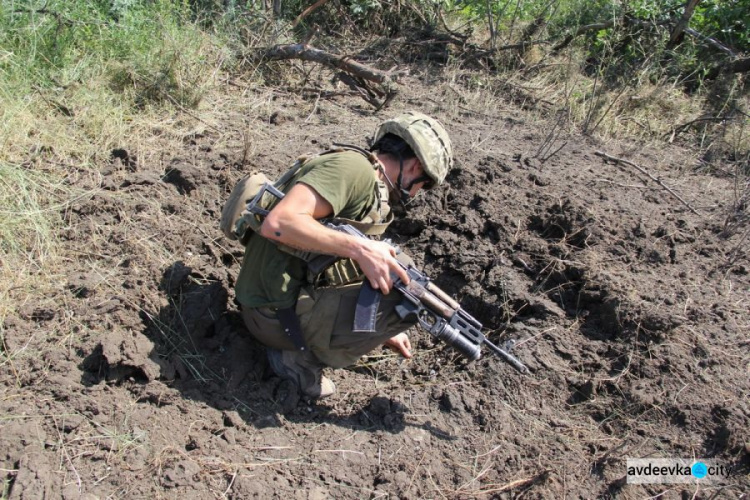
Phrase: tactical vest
(239, 224)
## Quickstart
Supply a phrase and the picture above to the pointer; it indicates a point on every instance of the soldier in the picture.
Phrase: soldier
(304, 320)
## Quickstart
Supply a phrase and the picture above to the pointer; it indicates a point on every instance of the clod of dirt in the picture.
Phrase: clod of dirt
(379, 406)
(82, 285)
(278, 117)
(232, 419)
(186, 178)
(34, 478)
(182, 473)
(123, 157)
(121, 357)
(139, 179)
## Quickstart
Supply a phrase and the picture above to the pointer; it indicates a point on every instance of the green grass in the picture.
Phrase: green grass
(72, 74)
(78, 79)
(24, 223)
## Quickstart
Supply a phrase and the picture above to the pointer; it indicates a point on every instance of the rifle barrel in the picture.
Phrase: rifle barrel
(507, 357)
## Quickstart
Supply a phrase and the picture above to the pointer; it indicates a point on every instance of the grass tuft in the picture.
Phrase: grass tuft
(77, 80)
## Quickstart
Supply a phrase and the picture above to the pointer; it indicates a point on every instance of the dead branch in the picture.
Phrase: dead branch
(678, 130)
(456, 35)
(477, 54)
(308, 11)
(625, 21)
(360, 72)
(711, 42)
(310, 53)
(644, 172)
(736, 66)
(676, 37)
(580, 31)
(518, 483)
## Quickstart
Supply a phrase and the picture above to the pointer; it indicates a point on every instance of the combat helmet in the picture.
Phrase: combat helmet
(427, 138)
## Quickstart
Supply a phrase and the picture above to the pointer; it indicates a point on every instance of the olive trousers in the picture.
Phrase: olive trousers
(326, 316)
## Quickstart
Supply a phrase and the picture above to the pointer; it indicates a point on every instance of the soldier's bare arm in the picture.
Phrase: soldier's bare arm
(294, 222)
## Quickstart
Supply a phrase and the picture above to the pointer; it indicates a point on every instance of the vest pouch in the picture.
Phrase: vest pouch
(341, 272)
(242, 194)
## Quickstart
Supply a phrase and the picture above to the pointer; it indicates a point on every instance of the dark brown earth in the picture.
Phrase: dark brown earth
(138, 380)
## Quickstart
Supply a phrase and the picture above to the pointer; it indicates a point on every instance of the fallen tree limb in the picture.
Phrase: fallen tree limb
(309, 53)
(736, 66)
(361, 73)
(625, 21)
(710, 41)
(644, 172)
(580, 31)
(678, 130)
(308, 11)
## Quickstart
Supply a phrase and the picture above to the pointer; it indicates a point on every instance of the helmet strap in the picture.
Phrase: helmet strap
(404, 196)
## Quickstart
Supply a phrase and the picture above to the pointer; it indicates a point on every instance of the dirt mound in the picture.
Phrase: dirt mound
(139, 380)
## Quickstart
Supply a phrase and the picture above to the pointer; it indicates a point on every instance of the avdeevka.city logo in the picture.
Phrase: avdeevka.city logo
(674, 470)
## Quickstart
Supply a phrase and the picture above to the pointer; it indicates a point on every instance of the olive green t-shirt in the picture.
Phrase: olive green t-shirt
(272, 278)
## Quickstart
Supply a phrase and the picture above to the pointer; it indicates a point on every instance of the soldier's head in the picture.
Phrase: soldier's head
(416, 135)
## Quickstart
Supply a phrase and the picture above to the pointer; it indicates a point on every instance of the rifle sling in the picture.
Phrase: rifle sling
(290, 322)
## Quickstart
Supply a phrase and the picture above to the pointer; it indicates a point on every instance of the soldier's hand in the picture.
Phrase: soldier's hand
(377, 260)
(400, 344)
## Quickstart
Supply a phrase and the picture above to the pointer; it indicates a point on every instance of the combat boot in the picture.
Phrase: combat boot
(302, 368)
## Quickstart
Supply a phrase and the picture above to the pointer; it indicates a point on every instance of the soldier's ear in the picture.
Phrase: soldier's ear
(415, 166)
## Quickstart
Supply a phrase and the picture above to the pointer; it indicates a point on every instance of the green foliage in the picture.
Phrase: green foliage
(726, 20)
(76, 79)
(24, 224)
(67, 43)
(363, 7)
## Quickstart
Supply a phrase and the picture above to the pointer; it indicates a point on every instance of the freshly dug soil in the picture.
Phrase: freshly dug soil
(138, 379)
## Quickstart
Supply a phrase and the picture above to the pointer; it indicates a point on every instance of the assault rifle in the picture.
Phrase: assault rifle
(431, 307)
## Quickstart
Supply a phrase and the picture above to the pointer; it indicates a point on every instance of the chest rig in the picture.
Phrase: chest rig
(262, 196)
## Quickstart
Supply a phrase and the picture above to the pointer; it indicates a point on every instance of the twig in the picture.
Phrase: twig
(8, 356)
(514, 484)
(415, 472)
(685, 126)
(644, 172)
(339, 451)
(308, 11)
(535, 336)
(70, 461)
(315, 107)
(234, 476)
(634, 186)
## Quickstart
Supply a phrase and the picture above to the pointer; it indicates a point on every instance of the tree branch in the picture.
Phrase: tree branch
(644, 172)
(676, 37)
(625, 21)
(736, 66)
(308, 11)
(309, 53)
(344, 63)
(711, 41)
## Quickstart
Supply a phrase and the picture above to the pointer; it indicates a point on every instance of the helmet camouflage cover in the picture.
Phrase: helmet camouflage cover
(427, 138)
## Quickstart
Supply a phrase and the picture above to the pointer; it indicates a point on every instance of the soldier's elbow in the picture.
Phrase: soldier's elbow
(271, 227)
